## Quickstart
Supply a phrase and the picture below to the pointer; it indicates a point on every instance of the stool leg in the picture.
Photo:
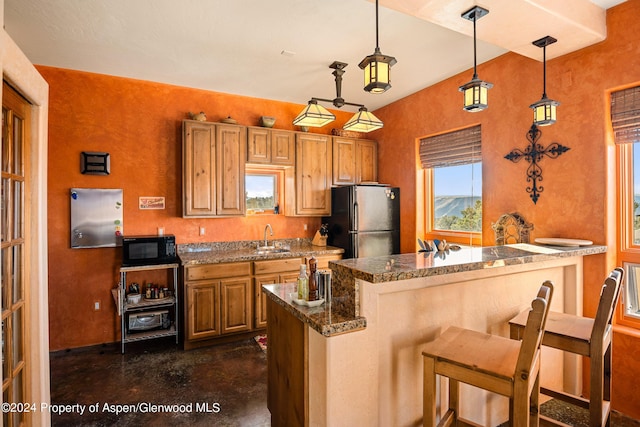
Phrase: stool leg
(597, 379)
(520, 403)
(534, 404)
(454, 400)
(429, 393)
(607, 381)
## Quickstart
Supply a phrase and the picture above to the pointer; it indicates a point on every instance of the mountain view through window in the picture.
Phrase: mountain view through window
(457, 197)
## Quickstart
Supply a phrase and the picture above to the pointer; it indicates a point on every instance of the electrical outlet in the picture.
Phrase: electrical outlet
(304, 227)
(96, 305)
(160, 231)
(202, 230)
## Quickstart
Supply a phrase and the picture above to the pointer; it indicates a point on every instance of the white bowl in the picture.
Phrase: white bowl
(133, 298)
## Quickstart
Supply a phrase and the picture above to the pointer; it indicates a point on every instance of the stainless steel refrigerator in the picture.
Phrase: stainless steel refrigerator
(365, 220)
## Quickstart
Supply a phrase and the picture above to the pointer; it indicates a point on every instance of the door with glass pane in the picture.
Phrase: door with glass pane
(15, 117)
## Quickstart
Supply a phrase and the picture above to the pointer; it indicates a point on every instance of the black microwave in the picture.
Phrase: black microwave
(148, 250)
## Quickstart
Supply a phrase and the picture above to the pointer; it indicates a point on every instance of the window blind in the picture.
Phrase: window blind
(451, 149)
(625, 115)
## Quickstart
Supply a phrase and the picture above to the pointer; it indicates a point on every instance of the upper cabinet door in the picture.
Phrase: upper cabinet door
(283, 151)
(258, 145)
(198, 168)
(214, 156)
(313, 174)
(271, 147)
(366, 161)
(344, 161)
(230, 160)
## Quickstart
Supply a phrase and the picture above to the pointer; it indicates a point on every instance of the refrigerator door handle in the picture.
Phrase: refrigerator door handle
(356, 226)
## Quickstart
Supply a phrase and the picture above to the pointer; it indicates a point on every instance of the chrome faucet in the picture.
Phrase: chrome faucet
(268, 226)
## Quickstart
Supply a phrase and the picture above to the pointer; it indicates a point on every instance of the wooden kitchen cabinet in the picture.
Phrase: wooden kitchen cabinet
(366, 161)
(309, 186)
(218, 301)
(322, 261)
(213, 169)
(235, 302)
(224, 301)
(272, 147)
(354, 161)
(269, 272)
(203, 308)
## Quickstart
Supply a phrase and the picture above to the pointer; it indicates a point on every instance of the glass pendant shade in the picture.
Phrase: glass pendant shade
(314, 115)
(544, 111)
(475, 95)
(377, 72)
(363, 121)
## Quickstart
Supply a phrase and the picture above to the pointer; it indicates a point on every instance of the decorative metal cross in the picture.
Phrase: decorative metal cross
(533, 154)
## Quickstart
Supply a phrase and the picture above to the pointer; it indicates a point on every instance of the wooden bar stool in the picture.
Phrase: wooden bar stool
(586, 337)
(489, 362)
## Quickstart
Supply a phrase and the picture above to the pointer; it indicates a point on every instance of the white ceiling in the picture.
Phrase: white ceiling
(272, 49)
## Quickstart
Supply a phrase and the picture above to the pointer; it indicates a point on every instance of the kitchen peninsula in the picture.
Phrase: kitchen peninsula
(356, 360)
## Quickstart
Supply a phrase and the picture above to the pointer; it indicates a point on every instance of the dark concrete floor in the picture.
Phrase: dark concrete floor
(222, 385)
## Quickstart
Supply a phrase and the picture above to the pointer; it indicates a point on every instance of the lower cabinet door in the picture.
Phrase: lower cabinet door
(260, 298)
(202, 310)
(236, 311)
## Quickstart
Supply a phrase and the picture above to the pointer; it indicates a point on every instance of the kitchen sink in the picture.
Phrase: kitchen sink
(264, 250)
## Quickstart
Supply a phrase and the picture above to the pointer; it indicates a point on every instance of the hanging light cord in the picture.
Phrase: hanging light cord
(475, 61)
(377, 44)
(544, 72)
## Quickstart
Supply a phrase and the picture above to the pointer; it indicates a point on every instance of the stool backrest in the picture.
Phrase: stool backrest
(606, 307)
(534, 329)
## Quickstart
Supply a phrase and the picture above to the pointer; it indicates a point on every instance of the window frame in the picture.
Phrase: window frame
(278, 173)
(425, 186)
(628, 252)
(471, 238)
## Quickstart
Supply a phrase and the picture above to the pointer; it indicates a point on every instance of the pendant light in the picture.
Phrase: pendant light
(377, 67)
(544, 111)
(314, 115)
(363, 121)
(475, 92)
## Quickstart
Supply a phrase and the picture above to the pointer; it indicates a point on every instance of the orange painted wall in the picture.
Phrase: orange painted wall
(579, 186)
(139, 124)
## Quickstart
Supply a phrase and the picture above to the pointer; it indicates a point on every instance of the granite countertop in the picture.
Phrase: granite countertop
(221, 252)
(407, 266)
(340, 315)
(323, 318)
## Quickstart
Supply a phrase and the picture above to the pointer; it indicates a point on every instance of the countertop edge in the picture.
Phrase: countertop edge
(248, 255)
(318, 318)
(360, 268)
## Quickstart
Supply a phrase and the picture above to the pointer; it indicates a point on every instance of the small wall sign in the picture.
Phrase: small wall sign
(151, 202)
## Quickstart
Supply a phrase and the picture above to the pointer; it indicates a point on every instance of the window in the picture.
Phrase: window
(453, 185)
(457, 198)
(625, 120)
(263, 190)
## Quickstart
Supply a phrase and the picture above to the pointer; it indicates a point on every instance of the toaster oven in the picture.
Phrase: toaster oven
(147, 320)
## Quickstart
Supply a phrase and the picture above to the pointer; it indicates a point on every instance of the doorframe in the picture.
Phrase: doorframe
(16, 69)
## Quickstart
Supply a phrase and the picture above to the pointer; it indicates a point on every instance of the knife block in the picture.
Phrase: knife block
(319, 240)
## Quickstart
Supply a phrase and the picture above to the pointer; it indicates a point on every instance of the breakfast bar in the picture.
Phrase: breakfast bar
(356, 359)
